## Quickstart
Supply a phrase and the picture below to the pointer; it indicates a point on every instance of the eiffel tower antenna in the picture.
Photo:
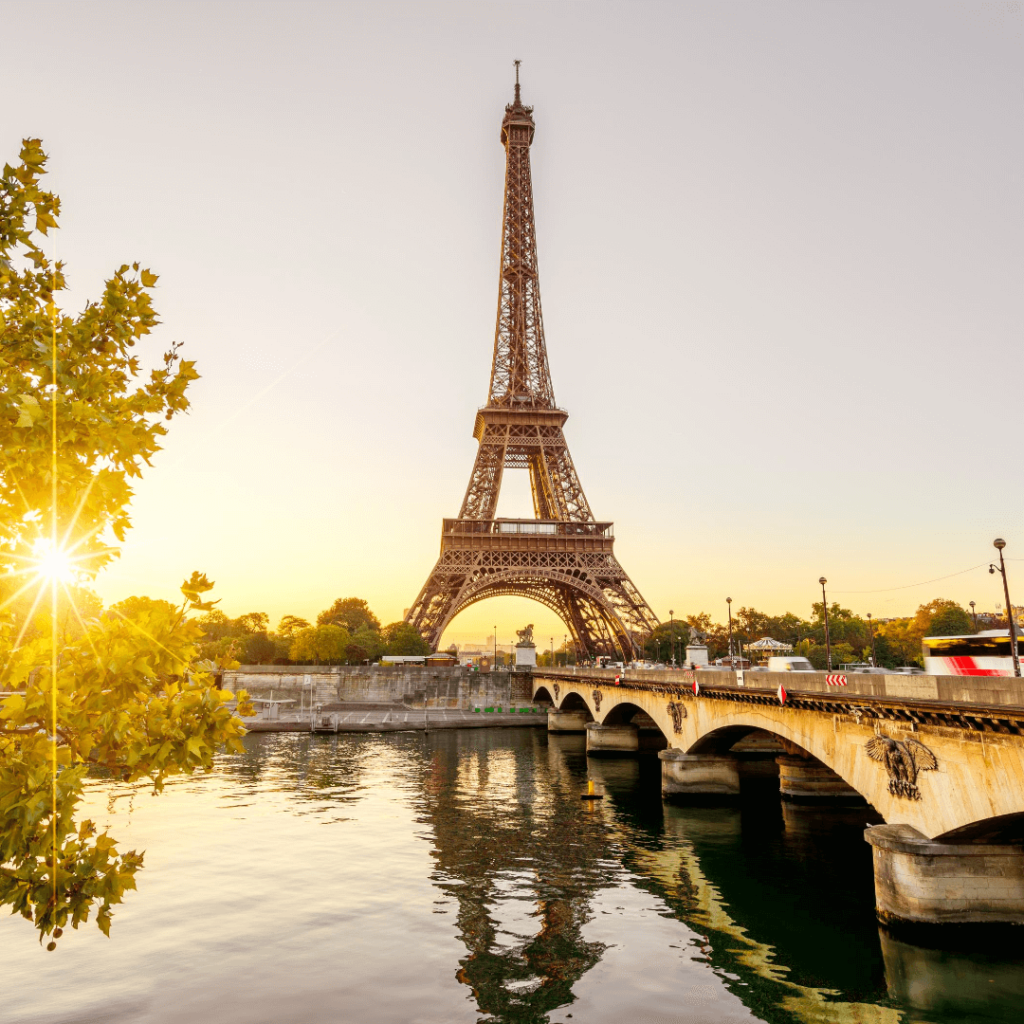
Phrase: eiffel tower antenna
(563, 556)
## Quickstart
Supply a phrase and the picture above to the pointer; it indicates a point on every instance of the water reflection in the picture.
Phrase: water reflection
(518, 851)
(948, 984)
(457, 876)
(775, 898)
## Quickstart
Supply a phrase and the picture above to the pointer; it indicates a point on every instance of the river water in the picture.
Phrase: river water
(458, 877)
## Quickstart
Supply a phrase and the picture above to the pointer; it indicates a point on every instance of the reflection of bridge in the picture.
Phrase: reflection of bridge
(941, 759)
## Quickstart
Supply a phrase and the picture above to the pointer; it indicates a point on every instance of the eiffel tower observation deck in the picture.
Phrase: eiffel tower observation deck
(563, 557)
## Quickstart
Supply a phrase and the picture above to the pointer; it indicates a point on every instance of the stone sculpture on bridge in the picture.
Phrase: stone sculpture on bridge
(678, 712)
(902, 760)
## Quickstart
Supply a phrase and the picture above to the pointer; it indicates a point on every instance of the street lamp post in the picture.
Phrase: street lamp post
(974, 615)
(824, 608)
(672, 636)
(554, 660)
(999, 544)
(495, 649)
(871, 627)
(728, 601)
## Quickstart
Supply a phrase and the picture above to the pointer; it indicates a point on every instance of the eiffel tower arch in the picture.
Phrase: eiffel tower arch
(563, 557)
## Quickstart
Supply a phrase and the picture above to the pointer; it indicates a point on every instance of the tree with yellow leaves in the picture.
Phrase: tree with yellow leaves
(79, 419)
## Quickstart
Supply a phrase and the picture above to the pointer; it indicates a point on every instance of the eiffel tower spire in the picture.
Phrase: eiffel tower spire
(563, 557)
(520, 377)
(521, 427)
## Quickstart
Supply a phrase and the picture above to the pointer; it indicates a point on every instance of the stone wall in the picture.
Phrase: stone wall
(412, 685)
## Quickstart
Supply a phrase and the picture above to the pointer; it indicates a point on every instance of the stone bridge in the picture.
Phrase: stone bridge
(940, 759)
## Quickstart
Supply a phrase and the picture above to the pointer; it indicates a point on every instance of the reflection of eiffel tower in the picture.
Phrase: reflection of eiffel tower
(562, 557)
(510, 812)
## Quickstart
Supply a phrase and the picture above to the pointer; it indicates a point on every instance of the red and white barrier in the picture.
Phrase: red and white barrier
(835, 680)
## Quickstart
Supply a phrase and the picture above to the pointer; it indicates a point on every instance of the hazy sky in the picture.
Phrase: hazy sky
(781, 250)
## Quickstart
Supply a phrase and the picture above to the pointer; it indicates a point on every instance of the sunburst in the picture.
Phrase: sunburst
(53, 563)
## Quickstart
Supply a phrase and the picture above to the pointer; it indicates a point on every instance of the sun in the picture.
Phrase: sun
(52, 563)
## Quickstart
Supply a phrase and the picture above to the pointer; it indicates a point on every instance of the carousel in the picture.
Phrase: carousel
(766, 648)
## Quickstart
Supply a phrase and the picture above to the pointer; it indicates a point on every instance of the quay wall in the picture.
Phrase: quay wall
(412, 685)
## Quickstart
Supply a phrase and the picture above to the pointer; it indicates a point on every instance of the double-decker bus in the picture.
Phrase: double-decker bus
(983, 654)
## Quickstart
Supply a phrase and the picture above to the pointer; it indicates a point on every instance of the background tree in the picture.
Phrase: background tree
(216, 625)
(351, 612)
(253, 622)
(320, 645)
(664, 639)
(364, 645)
(401, 638)
(259, 649)
(843, 627)
(127, 692)
(901, 642)
(290, 625)
(943, 618)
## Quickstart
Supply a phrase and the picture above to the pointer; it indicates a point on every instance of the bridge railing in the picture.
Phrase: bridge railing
(962, 690)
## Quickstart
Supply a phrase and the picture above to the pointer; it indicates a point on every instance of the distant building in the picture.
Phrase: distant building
(441, 659)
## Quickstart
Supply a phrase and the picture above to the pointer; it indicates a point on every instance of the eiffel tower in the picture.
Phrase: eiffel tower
(563, 556)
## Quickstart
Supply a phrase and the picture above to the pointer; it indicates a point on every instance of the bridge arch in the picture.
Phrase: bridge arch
(1004, 829)
(625, 712)
(573, 701)
(719, 742)
(543, 696)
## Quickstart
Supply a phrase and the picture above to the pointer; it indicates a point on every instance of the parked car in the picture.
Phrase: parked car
(789, 664)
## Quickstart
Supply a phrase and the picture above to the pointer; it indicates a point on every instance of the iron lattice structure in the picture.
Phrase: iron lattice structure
(562, 558)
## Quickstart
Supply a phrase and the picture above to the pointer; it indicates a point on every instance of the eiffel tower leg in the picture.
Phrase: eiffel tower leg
(556, 475)
(592, 631)
(484, 483)
(544, 505)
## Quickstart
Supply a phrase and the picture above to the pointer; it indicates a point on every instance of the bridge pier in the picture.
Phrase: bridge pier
(922, 882)
(567, 721)
(802, 778)
(698, 774)
(612, 739)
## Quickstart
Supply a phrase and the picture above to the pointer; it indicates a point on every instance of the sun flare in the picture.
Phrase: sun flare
(52, 563)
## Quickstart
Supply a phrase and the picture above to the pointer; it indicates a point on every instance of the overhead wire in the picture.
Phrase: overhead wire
(909, 586)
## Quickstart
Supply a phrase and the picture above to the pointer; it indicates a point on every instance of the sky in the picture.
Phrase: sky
(781, 248)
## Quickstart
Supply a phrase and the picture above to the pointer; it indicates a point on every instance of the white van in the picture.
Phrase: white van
(790, 665)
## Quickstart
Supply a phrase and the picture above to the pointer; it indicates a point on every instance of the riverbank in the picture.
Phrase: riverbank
(398, 718)
(458, 688)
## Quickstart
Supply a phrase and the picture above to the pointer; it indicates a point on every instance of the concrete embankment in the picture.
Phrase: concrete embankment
(399, 719)
(410, 685)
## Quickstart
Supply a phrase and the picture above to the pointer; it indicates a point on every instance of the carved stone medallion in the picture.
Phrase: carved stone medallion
(556, 689)
(678, 712)
(903, 759)
(597, 695)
